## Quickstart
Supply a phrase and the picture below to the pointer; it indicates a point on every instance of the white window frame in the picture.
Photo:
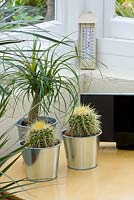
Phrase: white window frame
(116, 26)
(66, 22)
(56, 25)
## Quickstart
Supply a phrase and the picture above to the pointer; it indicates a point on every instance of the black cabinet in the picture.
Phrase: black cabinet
(117, 111)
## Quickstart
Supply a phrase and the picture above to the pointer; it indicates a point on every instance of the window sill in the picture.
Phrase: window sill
(112, 81)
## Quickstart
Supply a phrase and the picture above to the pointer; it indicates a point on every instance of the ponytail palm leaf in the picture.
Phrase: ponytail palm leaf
(5, 93)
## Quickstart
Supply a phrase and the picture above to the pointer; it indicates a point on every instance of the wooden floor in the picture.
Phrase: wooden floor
(112, 179)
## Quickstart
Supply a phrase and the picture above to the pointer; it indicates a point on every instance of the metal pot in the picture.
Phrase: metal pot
(22, 129)
(41, 164)
(81, 152)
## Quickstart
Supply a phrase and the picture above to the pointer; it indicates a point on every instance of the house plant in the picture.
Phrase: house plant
(43, 77)
(81, 138)
(41, 154)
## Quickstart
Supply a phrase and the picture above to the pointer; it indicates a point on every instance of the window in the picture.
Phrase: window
(16, 13)
(116, 25)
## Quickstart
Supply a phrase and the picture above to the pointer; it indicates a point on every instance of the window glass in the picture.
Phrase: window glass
(16, 13)
(124, 8)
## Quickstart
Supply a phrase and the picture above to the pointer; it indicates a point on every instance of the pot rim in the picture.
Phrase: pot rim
(66, 136)
(31, 148)
(21, 119)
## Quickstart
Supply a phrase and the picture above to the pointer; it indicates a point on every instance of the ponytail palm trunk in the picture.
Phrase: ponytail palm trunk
(34, 110)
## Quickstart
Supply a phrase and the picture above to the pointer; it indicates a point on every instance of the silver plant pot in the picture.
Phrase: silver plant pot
(22, 129)
(81, 152)
(41, 164)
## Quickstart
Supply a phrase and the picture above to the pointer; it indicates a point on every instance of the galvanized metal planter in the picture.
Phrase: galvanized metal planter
(22, 129)
(41, 164)
(81, 152)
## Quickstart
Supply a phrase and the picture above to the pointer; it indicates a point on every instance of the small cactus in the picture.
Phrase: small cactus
(84, 122)
(41, 135)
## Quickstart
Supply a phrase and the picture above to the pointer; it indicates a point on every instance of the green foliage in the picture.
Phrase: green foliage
(84, 122)
(124, 8)
(39, 3)
(25, 12)
(41, 135)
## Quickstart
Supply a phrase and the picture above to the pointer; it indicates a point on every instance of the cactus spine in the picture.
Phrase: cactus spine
(84, 122)
(41, 135)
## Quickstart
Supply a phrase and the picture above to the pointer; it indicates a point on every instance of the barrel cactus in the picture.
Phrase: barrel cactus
(41, 135)
(84, 122)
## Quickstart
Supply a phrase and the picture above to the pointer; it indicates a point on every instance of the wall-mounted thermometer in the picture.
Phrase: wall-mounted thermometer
(87, 40)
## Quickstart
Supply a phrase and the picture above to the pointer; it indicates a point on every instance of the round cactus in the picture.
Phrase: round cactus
(84, 122)
(41, 135)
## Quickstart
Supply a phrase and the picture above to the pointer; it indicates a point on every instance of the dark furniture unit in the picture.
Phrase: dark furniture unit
(117, 115)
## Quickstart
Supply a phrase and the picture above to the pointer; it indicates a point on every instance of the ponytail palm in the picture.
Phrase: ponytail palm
(43, 75)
